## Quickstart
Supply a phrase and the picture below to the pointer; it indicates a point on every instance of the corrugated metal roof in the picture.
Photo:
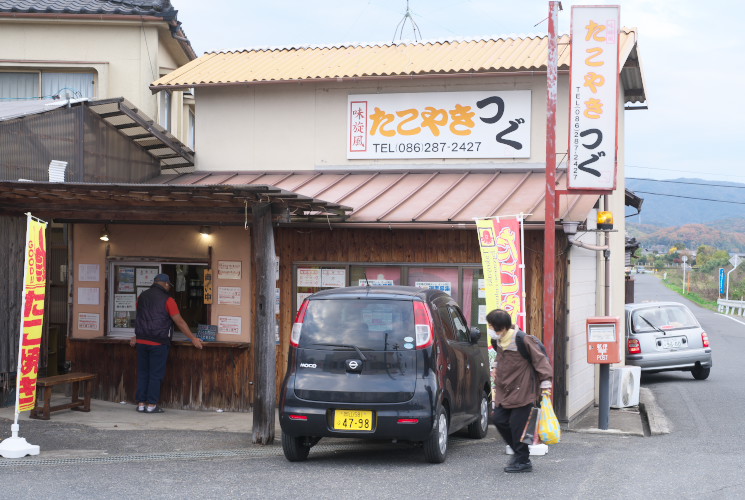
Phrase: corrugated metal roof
(15, 109)
(433, 58)
(412, 197)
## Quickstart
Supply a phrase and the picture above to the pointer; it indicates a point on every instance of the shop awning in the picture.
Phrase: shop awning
(413, 197)
(163, 204)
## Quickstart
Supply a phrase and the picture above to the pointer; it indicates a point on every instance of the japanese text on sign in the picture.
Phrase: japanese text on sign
(33, 314)
(593, 98)
(501, 261)
(439, 125)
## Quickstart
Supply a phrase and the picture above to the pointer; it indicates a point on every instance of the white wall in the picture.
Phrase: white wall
(125, 56)
(302, 126)
(582, 302)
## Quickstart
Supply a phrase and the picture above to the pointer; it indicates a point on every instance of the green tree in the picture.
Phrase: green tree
(709, 258)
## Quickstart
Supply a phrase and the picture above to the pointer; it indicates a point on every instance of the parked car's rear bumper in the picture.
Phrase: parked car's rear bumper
(387, 421)
(675, 360)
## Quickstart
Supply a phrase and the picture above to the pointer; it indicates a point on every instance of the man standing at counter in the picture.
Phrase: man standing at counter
(157, 313)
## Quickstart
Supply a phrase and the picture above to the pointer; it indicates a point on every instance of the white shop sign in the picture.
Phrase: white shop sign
(485, 124)
(593, 98)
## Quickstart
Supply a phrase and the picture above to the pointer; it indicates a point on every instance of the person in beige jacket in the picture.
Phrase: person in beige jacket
(519, 382)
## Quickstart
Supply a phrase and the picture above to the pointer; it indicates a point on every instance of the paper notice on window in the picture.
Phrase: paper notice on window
(444, 286)
(125, 302)
(333, 278)
(482, 288)
(229, 325)
(89, 272)
(308, 277)
(89, 321)
(88, 296)
(482, 314)
(364, 282)
(145, 276)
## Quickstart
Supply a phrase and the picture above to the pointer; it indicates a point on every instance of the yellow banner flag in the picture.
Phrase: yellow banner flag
(35, 279)
(490, 263)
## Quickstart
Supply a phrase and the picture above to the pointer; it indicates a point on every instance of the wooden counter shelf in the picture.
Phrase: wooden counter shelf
(175, 343)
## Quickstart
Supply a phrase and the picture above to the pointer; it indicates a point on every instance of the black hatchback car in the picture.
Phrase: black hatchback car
(386, 363)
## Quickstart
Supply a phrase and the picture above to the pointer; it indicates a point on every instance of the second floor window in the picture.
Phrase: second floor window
(164, 115)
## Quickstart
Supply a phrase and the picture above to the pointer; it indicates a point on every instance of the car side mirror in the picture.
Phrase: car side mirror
(475, 334)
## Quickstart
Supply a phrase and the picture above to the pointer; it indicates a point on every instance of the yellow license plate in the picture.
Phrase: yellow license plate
(353, 420)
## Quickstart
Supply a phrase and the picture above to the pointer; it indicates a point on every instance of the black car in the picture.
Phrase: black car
(386, 363)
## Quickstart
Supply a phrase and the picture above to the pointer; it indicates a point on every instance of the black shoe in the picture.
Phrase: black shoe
(512, 461)
(519, 467)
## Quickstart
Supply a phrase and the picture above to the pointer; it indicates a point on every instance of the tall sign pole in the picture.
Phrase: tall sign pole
(549, 244)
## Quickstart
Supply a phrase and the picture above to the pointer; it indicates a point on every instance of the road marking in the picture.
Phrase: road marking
(730, 317)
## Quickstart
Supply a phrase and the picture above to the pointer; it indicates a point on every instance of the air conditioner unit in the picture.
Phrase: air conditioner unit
(624, 386)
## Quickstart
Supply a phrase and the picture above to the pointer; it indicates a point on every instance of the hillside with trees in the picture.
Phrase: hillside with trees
(692, 211)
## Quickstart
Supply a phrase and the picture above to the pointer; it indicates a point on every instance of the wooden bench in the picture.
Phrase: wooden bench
(44, 386)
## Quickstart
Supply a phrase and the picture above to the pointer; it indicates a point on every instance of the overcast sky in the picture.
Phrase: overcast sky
(692, 57)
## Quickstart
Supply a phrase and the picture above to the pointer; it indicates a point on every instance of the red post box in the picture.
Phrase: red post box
(604, 340)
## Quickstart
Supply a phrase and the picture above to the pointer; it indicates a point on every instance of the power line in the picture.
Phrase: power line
(683, 171)
(692, 197)
(684, 182)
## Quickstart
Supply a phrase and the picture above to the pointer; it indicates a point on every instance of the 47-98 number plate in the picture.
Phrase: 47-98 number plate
(353, 420)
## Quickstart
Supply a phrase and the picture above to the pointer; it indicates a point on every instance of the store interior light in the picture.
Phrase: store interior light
(104, 233)
(605, 220)
(205, 231)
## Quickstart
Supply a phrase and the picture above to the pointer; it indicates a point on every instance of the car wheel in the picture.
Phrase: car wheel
(436, 446)
(700, 373)
(295, 448)
(479, 428)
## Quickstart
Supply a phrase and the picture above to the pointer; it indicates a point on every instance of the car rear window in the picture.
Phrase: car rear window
(664, 318)
(368, 324)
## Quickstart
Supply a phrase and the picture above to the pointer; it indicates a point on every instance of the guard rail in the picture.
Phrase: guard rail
(733, 307)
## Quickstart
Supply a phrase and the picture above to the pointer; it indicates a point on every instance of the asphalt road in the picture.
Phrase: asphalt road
(701, 458)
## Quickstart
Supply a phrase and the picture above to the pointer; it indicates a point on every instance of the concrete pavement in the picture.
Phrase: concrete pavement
(117, 429)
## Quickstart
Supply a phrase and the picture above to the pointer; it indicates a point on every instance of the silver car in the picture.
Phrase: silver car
(665, 336)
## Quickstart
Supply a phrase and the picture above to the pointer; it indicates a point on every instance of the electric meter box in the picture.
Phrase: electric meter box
(604, 340)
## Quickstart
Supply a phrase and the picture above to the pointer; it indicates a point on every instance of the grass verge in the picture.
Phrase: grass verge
(703, 302)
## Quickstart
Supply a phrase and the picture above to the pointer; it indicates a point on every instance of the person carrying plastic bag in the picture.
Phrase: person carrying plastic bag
(518, 381)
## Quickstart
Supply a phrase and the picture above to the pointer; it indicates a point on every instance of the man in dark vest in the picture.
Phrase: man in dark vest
(157, 312)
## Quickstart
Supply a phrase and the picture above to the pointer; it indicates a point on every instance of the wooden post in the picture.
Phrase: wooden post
(265, 358)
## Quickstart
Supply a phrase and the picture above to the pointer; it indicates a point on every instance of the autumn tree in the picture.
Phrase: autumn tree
(709, 258)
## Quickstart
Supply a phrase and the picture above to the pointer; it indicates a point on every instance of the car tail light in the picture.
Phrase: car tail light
(634, 347)
(705, 339)
(408, 420)
(303, 418)
(423, 325)
(298, 325)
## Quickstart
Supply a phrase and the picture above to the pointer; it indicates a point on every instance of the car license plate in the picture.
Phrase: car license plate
(674, 343)
(353, 420)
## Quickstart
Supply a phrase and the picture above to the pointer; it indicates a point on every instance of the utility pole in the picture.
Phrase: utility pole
(549, 241)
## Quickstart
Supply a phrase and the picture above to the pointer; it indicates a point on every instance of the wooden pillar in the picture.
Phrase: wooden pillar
(265, 359)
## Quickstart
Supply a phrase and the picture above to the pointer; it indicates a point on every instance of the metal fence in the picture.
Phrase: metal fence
(733, 307)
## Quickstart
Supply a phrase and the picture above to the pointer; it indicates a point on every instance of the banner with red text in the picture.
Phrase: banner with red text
(35, 280)
(501, 259)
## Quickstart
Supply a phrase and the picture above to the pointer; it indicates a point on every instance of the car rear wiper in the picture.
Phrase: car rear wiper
(650, 324)
(348, 346)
